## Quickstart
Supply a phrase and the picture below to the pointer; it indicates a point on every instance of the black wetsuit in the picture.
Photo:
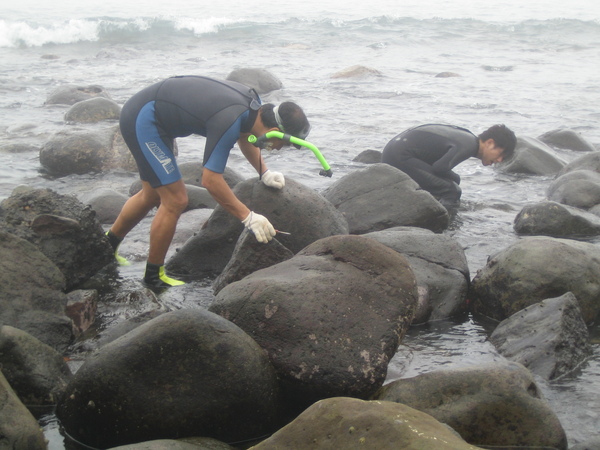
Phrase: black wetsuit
(181, 106)
(428, 153)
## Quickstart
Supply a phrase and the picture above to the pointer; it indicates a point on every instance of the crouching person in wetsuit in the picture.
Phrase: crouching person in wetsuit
(224, 112)
(428, 153)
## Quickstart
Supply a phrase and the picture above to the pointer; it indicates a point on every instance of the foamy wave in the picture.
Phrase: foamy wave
(24, 34)
(20, 34)
(202, 26)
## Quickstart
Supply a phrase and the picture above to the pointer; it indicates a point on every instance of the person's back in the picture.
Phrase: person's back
(441, 146)
(428, 153)
(185, 105)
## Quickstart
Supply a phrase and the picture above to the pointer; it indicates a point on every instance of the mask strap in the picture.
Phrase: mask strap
(278, 118)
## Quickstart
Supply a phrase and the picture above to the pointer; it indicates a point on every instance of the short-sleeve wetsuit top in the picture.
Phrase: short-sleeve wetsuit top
(181, 106)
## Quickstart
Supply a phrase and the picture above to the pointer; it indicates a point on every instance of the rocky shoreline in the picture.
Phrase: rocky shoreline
(293, 349)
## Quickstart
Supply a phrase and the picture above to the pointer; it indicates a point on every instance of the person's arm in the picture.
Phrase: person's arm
(216, 185)
(252, 154)
(446, 163)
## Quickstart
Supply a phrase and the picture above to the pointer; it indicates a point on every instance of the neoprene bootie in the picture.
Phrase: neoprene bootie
(155, 277)
(114, 243)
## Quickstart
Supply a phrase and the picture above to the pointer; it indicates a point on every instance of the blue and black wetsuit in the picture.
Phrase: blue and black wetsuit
(179, 107)
(428, 153)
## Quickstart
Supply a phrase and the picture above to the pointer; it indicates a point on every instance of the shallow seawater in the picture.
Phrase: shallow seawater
(532, 66)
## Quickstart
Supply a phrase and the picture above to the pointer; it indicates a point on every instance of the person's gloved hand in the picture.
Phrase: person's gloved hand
(260, 226)
(273, 179)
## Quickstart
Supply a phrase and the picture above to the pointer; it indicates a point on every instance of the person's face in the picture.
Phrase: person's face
(490, 153)
(274, 144)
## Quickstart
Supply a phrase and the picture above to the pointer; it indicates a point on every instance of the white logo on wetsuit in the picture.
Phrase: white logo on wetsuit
(160, 156)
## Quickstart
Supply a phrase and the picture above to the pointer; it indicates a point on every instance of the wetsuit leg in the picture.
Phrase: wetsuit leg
(441, 188)
(152, 153)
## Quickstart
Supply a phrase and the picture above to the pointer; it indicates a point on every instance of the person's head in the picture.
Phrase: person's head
(287, 117)
(496, 144)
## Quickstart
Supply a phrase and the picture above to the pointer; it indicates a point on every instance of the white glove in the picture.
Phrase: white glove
(260, 226)
(273, 179)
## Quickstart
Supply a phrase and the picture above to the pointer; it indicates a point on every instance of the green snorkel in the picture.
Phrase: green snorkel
(261, 142)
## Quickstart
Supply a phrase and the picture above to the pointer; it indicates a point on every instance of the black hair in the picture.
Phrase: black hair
(293, 119)
(503, 137)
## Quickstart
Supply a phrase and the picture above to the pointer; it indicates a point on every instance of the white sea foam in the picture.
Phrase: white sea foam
(19, 34)
(200, 26)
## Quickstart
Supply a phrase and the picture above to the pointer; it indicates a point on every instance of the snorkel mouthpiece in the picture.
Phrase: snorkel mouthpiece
(261, 142)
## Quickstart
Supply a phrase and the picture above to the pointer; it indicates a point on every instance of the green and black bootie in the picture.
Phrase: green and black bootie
(115, 241)
(155, 277)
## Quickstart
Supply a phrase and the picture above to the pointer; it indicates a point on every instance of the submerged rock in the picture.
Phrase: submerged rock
(71, 94)
(534, 269)
(578, 188)
(556, 220)
(567, 139)
(549, 338)
(532, 157)
(260, 79)
(85, 151)
(93, 110)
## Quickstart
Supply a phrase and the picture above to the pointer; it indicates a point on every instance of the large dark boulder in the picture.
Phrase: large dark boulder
(249, 256)
(567, 139)
(579, 188)
(589, 161)
(36, 371)
(86, 151)
(496, 405)
(62, 228)
(18, 428)
(440, 267)
(349, 423)
(533, 157)
(549, 338)
(260, 79)
(198, 443)
(191, 173)
(71, 94)
(381, 197)
(330, 318)
(556, 220)
(93, 110)
(107, 203)
(31, 292)
(368, 157)
(534, 269)
(296, 209)
(184, 373)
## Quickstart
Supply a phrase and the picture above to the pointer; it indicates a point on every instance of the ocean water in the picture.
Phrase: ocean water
(531, 65)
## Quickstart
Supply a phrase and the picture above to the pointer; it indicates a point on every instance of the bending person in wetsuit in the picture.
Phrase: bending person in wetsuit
(225, 112)
(428, 153)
